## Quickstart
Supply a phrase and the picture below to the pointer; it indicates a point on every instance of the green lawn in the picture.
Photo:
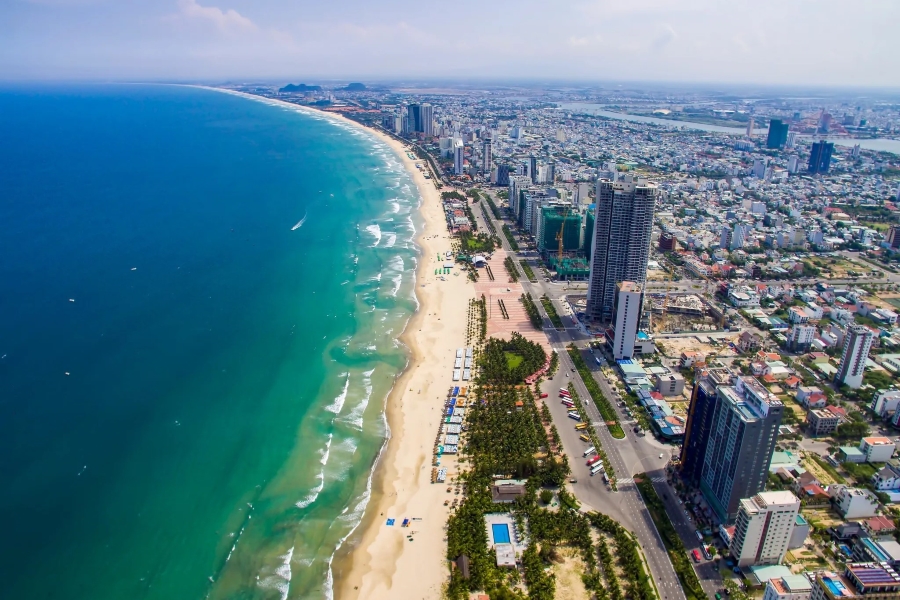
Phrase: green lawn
(513, 360)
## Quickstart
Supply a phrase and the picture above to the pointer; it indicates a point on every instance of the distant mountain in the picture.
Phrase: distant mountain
(301, 87)
(355, 87)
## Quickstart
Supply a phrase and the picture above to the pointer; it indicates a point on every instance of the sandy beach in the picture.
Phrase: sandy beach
(380, 561)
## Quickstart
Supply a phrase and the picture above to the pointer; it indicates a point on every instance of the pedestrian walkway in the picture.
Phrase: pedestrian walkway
(621, 482)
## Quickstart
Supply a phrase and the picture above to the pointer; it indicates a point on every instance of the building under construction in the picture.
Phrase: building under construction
(554, 219)
(682, 312)
(569, 269)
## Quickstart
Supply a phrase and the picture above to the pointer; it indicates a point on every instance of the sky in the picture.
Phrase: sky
(777, 42)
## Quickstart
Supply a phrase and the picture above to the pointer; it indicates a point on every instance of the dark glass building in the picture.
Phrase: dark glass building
(820, 157)
(778, 132)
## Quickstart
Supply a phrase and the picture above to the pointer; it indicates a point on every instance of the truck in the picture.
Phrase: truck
(590, 450)
(596, 469)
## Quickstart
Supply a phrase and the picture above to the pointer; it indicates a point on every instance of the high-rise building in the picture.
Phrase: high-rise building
(857, 343)
(750, 128)
(763, 528)
(517, 185)
(725, 237)
(532, 168)
(793, 164)
(426, 119)
(791, 139)
(629, 303)
(414, 118)
(801, 337)
(487, 157)
(743, 431)
(820, 157)
(697, 430)
(778, 132)
(503, 177)
(759, 167)
(893, 237)
(458, 150)
(621, 247)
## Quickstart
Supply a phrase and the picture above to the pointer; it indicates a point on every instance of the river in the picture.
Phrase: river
(879, 144)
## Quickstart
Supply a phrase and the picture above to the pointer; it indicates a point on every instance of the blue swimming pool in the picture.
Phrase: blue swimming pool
(500, 532)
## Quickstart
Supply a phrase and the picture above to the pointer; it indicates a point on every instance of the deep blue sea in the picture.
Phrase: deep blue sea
(191, 391)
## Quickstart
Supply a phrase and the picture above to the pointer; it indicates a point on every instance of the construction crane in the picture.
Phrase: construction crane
(559, 238)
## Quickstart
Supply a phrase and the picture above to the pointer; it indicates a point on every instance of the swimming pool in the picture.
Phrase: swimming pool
(500, 532)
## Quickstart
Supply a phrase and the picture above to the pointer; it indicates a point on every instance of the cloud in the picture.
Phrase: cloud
(225, 20)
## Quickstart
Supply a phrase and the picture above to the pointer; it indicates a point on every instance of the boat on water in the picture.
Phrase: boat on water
(299, 223)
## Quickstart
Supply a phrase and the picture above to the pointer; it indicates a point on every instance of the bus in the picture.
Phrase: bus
(605, 478)
(564, 392)
(590, 450)
(581, 426)
(584, 438)
(568, 403)
(596, 469)
(574, 416)
(593, 459)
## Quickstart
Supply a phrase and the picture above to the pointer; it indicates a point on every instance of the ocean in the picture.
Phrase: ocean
(200, 302)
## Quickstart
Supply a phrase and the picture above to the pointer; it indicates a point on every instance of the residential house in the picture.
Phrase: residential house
(853, 503)
(877, 449)
(887, 478)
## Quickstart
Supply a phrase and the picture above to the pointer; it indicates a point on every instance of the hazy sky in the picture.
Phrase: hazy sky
(831, 42)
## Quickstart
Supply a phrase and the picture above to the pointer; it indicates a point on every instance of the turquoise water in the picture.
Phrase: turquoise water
(501, 533)
(191, 392)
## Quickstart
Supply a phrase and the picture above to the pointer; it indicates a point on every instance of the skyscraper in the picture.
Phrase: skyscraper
(458, 149)
(778, 132)
(743, 431)
(426, 119)
(414, 116)
(532, 168)
(750, 128)
(621, 247)
(699, 422)
(629, 302)
(486, 156)
(820, 157)
(857, 343)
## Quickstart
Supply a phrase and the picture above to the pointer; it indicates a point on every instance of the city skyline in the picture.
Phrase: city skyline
(647, 40)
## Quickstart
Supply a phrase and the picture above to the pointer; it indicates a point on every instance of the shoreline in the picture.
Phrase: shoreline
(365, 564)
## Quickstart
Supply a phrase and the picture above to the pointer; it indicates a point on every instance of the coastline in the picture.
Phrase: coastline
(367, 563)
